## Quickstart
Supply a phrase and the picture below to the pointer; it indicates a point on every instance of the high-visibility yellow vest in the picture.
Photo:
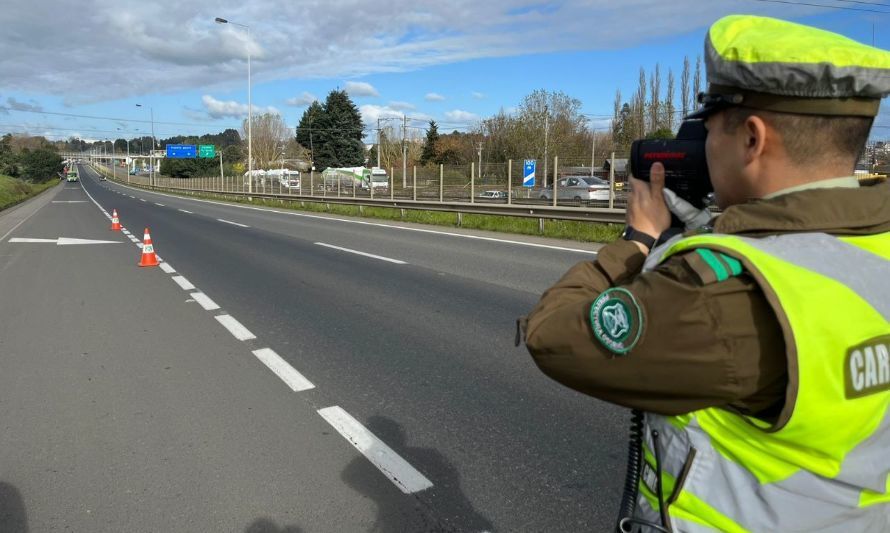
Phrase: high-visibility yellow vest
(825, 465)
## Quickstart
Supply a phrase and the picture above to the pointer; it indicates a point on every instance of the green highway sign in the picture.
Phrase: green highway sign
(206, 150)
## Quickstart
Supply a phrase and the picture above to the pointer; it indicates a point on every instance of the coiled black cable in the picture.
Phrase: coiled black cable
(631, 489)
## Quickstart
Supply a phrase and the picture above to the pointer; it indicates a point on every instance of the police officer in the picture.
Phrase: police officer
(758, 344)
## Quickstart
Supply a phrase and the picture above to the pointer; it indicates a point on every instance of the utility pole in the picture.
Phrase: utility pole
(378, 143)
(404, 151)
(592, 151)
(479, 150)
(546, 135)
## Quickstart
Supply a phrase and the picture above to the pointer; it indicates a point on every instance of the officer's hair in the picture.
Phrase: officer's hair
(810, 139)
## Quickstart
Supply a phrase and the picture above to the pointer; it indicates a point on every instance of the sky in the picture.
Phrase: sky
(454, 62)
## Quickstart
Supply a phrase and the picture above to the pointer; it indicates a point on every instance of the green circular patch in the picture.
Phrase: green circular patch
(616, 320)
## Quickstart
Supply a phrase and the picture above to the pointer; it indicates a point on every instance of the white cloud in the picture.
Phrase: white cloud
(15, 105)
(433, 97)
(478, 95)
(360, 88)
(230, 109)
(173, 46)
(402, 105)
(303, 100)
(461, 116)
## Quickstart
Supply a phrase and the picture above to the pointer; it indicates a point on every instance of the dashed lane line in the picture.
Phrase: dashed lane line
(235, 328)
(380, 257)
(233, 223)
(184, 283)
(167, 268)
(288, 374)
(203, 300)
(398, 470)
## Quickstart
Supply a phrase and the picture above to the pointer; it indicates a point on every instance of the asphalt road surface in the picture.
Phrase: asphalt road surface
(283, 372)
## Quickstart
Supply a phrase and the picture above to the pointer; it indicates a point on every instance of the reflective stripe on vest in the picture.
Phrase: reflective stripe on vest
(825, 466)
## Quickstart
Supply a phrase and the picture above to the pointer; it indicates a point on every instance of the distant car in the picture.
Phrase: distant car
(579, 188)
(492, 195)
(290, 182)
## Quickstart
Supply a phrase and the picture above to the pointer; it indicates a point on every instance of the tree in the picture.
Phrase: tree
(639, 105)
(428, 156)
(667, 109)
(655, 99)
(696, 81)
(269, 135)
(312, 116)
(40, 165)
(685, 100)
(341, 131)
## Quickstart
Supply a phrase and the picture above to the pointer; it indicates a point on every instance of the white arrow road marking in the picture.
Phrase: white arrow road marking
(398, 470)
(64, 241)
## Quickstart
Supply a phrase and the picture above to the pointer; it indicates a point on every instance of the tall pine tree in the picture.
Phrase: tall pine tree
(340, 128)
(429, 154)
(309, 122)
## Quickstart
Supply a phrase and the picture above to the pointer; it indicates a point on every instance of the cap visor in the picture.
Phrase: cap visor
(702, 113)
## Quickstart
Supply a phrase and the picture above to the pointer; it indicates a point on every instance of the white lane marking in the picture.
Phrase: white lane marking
(399, 471)
(203, 300)
(142, 199)
(167, 268)
(63, 241)
(381, 225)
(380, 257)
(233, 223)
(160, 205)
(69, 201)
(184, 283)
(131, 196)
(288, 374)
(184, 211)
(125, 231)
(133, 239)
(235, 328)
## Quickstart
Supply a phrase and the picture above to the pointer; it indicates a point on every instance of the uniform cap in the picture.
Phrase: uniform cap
(771, 64)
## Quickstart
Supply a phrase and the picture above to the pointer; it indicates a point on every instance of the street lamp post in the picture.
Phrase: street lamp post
(249, 106)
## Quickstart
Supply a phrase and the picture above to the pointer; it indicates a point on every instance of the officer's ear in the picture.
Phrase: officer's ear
(757, 137)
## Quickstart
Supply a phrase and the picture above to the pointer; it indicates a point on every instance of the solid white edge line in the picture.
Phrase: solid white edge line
(184, 283)
(235, 328)
(288, 374)
(167, 268)
(233, 223)
(378, 224)
(380, 257)
(204, 300)
(398, 470)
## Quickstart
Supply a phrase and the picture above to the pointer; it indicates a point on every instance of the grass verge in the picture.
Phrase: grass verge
(14, 191)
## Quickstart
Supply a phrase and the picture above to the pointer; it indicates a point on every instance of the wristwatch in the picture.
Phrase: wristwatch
(631, 234)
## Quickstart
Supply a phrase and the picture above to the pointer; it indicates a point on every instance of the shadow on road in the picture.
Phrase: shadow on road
(13, 518)
(265, 525)
(452, 510)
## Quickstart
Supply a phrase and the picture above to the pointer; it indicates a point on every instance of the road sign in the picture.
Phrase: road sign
(181, 151)
(206, 150)
(528, 173)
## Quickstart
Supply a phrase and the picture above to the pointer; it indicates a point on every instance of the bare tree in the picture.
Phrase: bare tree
(639, 106)
(616, 111)
(668, 110)
(655, 99)
(696, 87)
(270, 136)
(686, 101)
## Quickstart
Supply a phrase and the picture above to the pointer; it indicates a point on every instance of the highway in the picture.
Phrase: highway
(286, 372)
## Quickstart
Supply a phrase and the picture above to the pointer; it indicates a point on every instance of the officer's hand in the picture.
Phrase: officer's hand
(691, 216)
(646, 209)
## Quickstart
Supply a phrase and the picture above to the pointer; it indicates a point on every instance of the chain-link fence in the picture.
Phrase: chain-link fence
(554, 182)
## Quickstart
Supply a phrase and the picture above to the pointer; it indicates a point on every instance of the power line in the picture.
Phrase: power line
(142, 121)
(843, 8)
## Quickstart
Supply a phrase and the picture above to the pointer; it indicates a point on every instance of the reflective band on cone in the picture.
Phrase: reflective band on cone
(149, 259)
(115, 221)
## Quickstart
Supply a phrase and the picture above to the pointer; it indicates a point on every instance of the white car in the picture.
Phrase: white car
(492, 195)
(579, 188)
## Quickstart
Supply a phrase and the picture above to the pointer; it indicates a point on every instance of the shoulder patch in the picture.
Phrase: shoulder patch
(711, 266)
(616, 320)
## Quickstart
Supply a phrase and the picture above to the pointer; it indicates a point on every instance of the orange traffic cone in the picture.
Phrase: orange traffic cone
(115, 221)
(149, 259)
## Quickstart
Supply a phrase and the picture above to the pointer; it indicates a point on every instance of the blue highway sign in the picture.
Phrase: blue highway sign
(528, 173)
(182, 151)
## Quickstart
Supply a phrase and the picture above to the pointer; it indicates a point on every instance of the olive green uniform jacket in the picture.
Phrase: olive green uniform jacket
(704, 343)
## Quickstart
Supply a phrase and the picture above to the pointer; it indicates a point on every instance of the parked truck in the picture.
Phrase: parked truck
(358, 177)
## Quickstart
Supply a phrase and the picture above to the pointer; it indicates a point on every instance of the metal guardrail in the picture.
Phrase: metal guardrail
(541, 212)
